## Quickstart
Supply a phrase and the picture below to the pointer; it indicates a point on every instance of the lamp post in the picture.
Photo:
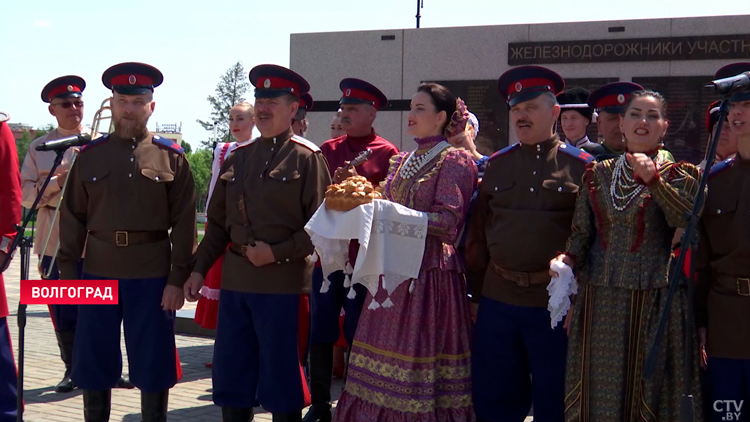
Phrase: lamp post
(420, 5)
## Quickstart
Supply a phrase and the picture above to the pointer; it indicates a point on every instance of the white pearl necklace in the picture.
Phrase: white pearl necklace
(414, 163)
(626, 182)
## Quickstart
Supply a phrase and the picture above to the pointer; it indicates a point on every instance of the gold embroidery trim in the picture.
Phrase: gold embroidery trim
(405, 358)
(440, 372)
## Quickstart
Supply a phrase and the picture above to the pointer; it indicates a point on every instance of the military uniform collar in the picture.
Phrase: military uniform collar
(542, 146)
(282, 137)
(134, 140)
(579, 143)
(362, 140)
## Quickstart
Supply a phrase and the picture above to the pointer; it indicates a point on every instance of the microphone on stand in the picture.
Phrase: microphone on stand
(731, 84)
(64, 143)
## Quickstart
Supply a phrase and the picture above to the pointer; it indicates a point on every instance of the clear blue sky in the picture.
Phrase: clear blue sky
(193, 43)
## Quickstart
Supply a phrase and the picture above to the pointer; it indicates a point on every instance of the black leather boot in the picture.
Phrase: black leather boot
(65, 342)
(321, 368)
(287, 417)
(154, 406)
(236, 414)
(123, 383)
(96, 405)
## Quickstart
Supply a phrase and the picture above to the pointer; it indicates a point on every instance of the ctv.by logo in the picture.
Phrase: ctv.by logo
(730, 408)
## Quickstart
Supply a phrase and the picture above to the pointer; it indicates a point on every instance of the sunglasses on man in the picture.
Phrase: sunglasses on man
(68, 104)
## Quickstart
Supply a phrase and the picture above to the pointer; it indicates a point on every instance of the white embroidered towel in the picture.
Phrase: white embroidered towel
(560, 289)
(391, 238)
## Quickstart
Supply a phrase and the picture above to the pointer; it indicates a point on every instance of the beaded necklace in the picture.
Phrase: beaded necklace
(415, 162)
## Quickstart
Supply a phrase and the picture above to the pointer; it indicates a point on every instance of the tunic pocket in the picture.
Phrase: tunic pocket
(562, 192)
(158, 176)
(284, 174)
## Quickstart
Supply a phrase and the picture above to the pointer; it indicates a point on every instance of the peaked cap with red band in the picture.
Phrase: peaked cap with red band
(305, 105)
(70, 86)
(524, 83)
(735, 69)
(712, 116)
(306, 101)
(612, 97)
(272, 81)
(357, 91)
(132, 78)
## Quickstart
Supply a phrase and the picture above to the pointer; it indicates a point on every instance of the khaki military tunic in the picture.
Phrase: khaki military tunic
(282, 181)
(126, 195)
(522, 220)
(36, 167)
(723, 261)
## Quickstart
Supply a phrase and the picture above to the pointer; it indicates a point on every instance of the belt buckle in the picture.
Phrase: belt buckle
(523, 279)
(746, 281)
(121, 238)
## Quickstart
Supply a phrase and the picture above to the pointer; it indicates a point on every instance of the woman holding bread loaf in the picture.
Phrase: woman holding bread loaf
(411, 361)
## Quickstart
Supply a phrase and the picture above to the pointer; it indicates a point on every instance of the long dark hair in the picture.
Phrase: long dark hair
(441, 98)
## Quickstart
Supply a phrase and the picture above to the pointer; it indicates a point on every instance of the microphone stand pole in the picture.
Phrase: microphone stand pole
(26, 243)
(677, 278)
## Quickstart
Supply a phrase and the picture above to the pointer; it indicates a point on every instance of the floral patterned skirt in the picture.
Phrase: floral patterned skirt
(411, 361)
(612, 332)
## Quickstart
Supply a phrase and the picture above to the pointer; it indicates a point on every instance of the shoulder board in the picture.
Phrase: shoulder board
(168, 143)
(576, 153)
(238, 146)
(504, 151)
(720, 167)
(98, 141)
(305, 143)
(4, 117)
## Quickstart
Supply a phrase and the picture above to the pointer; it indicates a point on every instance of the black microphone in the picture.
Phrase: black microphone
(731, 84)
(64, 143)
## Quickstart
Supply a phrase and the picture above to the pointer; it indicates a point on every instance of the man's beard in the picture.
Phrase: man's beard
(131, 128)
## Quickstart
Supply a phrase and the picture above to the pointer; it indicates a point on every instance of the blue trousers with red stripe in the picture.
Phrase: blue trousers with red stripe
(256, 353)
(149, 339)
(8, 375)
(64, 317)
(325, 308)
(728, 379)
(517, 359)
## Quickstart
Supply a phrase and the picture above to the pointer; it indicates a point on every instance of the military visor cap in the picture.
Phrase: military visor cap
(70, 86)
(612, 97)
(272, 81)
(357, 91)
(132, 78)
(525, 83)
(305, 105)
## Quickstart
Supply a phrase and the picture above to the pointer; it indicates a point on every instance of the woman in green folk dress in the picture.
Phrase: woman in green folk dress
(620, 248)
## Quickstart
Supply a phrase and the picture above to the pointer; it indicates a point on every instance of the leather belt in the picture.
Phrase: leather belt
(521, 278)
(239, 249)
(733, 285)
(127, 238)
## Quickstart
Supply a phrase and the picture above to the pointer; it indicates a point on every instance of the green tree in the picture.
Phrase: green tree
(187, 146)
(22, 145)
(230, 90)
(200, 164)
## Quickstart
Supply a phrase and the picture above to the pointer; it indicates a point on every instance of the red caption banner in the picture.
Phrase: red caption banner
(69, 292)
